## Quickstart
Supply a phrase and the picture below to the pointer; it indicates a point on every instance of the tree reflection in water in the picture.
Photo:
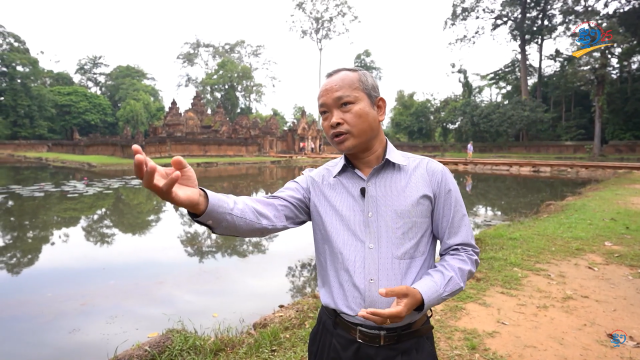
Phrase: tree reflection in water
(28, 223)
(201, 243)
(303, 278)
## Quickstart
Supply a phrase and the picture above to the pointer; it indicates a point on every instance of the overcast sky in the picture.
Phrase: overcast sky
(406, 39)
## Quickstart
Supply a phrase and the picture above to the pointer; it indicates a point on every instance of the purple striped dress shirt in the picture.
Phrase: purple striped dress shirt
(385, 239)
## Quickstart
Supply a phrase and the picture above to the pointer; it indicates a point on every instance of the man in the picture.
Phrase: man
(470, 150)
(377, 213)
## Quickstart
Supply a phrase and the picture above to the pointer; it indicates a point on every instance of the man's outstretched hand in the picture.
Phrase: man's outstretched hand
(407, 299)
(176, 184)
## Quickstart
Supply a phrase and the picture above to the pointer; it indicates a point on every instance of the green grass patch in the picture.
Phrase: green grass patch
(114, 160)
(96, 159)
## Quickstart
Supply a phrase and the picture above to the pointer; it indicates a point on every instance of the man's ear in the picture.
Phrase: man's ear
(381, 108)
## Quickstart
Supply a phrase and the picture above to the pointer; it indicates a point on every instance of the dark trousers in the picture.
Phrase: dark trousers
(330, 342)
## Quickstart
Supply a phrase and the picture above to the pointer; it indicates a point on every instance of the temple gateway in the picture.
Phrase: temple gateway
(198, 123)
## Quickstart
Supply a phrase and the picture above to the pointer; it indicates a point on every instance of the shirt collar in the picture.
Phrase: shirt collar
(390, 152)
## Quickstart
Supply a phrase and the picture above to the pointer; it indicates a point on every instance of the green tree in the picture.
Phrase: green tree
(233, 85)
(363, 60)
(511, 14)
(244, 64)
(52, 79)
(91, 73)
(25, 106)
(135, 100)
(413, 118)
(77, 107)
(321, 21)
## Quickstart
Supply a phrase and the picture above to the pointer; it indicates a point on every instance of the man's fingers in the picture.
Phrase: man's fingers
(386, 313)
(137, 150)
(139, 166)
(150, 176)
(379, 320)
(168, 185)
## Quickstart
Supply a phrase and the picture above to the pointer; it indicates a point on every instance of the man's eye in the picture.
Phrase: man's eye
(345, 104)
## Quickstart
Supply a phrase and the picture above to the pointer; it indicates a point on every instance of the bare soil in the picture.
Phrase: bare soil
(562, 313)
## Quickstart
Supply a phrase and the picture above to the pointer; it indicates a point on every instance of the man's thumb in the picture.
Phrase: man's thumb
(179, 163)
(389, 292)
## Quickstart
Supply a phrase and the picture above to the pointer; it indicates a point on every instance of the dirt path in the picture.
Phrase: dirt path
(563, 313)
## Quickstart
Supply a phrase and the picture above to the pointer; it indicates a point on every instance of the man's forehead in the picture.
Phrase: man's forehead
(340, 86)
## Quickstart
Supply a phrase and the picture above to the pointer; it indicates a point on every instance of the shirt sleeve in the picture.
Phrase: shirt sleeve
(245, 216)
(459, 255)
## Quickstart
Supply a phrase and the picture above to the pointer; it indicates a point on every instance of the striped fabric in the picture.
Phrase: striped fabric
(384, 239)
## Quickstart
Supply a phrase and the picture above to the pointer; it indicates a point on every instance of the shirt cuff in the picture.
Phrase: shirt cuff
(216, 213)
(430, 291)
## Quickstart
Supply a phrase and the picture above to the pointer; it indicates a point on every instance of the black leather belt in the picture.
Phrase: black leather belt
(388, 336)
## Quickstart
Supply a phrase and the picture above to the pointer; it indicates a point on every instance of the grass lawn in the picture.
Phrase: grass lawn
(607, 211)
(114, 160)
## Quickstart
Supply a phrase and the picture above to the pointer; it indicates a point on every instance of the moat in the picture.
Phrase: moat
(90, 262)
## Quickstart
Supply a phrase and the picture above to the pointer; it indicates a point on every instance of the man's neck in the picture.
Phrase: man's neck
(365, 162)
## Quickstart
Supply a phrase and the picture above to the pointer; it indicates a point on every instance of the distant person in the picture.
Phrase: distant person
(302, 147)
(312, 146)
(469, 183)
(470, 150)
(375, 237)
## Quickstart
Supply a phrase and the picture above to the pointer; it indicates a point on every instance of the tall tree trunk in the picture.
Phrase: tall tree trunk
(524, 84)
(629, 75)
(543, 17)
(320, 70)
(573, 98)
(563, 110)
(601, 78)
(551, 105)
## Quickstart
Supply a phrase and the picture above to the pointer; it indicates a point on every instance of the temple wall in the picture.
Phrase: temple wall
(167, 147)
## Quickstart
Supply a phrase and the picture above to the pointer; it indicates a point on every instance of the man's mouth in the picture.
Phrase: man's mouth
(339, 136)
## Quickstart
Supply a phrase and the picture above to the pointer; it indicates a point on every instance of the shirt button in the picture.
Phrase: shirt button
(209, 222)
(370, 246)
(369, 185)
(370, 214)
(371, 280)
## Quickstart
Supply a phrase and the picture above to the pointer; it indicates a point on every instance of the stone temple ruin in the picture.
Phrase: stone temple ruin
(197, 122)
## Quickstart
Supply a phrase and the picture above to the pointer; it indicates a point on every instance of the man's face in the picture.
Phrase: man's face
(349, 120)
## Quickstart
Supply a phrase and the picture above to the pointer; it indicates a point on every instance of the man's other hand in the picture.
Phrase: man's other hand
(407, 299)
(176, 184)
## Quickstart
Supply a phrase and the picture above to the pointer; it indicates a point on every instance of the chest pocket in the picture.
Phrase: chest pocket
(411, 227)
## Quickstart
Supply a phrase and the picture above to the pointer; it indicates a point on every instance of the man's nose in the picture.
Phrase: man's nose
(336, 120)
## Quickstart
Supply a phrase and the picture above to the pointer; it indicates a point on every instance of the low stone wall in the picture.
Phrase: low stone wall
(619, 148)
(535, 170)
(167, 147)
(170, 146)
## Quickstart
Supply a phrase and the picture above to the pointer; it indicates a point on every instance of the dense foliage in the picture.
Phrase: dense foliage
(592, 97)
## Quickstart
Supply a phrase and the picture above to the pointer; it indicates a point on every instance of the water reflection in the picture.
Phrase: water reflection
(499, 198)
(303, 278)
(28, 218)
(202, 244)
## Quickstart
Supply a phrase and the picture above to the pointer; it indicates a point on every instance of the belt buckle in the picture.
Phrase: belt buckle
(381, 333)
